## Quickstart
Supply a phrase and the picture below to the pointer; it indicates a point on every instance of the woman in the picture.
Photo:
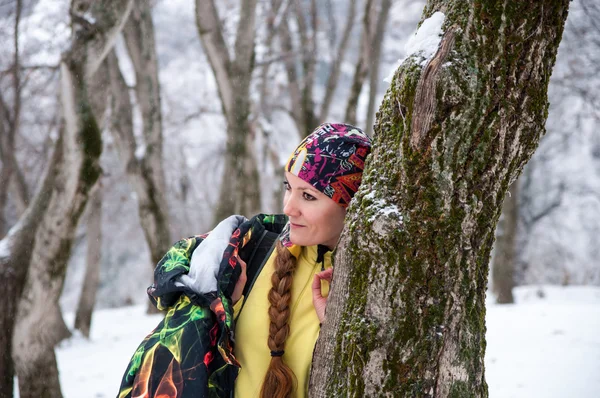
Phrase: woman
(279, 306)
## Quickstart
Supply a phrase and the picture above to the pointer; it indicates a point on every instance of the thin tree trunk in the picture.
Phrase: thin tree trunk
(503, 266)
(5, 175)
(287, 47)
(39, 325)
(406, 312)
(376, 45)
(362, 65)
(87, 299)
(308, 43)
(338, 61)
(10, 168)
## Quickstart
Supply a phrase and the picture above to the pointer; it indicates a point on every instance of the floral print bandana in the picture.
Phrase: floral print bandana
(332, 159)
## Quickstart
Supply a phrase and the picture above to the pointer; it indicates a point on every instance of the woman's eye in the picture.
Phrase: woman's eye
(286, 185)
(308, 196)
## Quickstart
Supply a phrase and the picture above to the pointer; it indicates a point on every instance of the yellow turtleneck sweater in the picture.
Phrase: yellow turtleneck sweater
(252, 328)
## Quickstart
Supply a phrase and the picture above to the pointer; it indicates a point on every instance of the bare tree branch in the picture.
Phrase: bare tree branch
(362, 65)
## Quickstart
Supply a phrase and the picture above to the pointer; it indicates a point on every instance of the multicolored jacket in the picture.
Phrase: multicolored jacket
(190, 352)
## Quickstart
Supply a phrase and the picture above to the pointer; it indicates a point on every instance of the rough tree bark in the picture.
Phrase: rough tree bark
(406, 314)
(98, 90)
(239, 193)
(15, 256)
(505, 257)
(39, 325)
(87, 298)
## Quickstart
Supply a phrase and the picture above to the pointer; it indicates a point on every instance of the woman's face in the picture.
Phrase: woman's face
(314, 217)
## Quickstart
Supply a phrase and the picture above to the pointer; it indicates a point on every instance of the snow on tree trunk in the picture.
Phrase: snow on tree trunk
(39, 325)
(406, 314)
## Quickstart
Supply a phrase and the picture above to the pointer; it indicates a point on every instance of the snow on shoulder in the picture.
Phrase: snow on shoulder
(424, 42)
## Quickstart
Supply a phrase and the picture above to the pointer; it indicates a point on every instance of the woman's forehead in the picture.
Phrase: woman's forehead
(298, 182)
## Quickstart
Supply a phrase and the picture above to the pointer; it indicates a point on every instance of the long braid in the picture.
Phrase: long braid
(280, 381)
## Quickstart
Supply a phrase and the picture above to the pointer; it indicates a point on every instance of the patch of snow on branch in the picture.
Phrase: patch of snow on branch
(4, 248)
(140, 152)
(424, 42)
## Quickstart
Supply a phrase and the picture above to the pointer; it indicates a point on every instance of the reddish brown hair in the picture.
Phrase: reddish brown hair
(280, 381)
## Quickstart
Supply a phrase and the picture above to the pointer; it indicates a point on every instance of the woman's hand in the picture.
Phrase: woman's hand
(319, 301)
(241, 283)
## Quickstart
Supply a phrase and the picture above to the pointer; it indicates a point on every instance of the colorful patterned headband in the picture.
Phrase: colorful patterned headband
(332, 159)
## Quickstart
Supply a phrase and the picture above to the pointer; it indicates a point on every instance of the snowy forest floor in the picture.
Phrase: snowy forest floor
(542, 347)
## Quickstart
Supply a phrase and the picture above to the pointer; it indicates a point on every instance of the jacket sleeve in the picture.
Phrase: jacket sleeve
(164, 292)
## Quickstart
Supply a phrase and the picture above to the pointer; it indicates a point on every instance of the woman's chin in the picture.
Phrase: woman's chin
(298, 239)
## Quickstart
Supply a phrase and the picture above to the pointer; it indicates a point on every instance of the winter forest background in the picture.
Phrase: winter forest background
(549, 234)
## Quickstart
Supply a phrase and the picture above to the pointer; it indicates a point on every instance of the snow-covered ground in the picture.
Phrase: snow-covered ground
(541, 347)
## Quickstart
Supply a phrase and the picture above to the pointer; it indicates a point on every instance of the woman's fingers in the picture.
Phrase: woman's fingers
(316, 287)
(320, 302)
(327, 274)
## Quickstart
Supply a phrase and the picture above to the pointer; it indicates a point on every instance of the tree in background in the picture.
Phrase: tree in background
(38, 322)
(406, 313)
(142, 161)
(547, 232)
(505, 256)
(87, 298)
(11, 175)
(240, 190)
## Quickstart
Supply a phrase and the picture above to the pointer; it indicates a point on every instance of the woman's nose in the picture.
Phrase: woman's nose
(290, 207)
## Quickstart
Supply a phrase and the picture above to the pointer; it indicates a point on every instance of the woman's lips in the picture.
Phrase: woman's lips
(296, 225)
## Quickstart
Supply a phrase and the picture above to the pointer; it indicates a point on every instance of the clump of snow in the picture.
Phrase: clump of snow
(424, 42)
(381, 207)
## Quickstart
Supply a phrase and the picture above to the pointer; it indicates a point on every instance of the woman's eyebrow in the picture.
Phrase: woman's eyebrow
(300, 188)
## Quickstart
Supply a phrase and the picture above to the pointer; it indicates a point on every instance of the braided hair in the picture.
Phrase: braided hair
(280, 380)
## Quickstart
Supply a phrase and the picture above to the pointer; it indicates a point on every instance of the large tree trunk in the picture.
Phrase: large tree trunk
(150, 183)
(39, 325)
(87, 298)
(15, 256)
(406, 314)
(98, 90)
(505, 256)
(239, 193)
